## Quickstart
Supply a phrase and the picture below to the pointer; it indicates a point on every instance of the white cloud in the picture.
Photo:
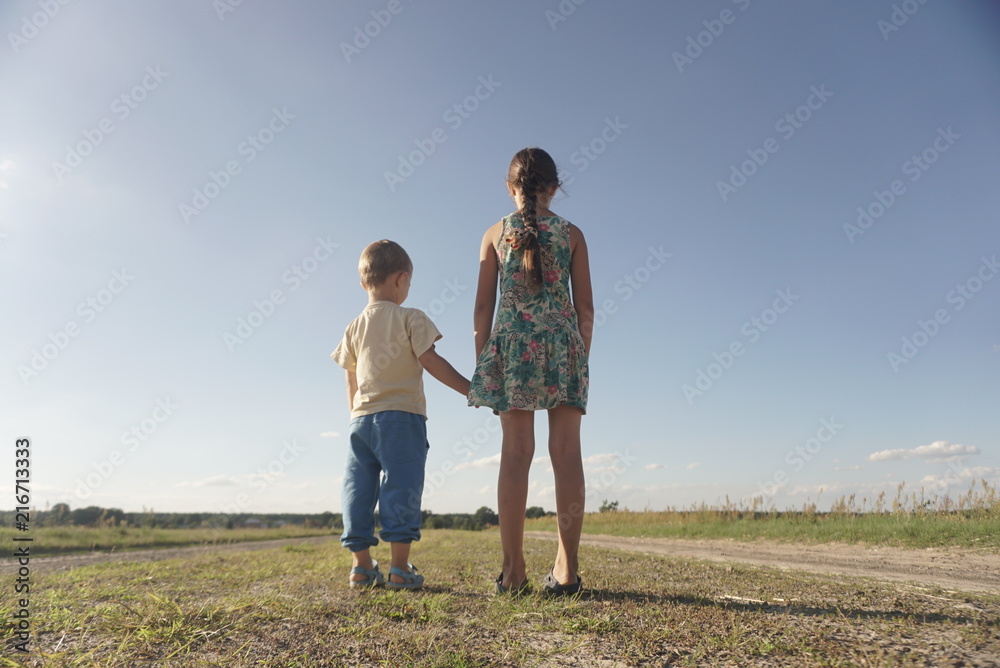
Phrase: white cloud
(856, 467)
(935, 451)
(6, 167)
(544, 492)
(604, 458)
(221, 480)
(963, 477)
(486, 490)
(693, 465)
(330, 434)
(484, 463)
(267, 477)
(654, 467)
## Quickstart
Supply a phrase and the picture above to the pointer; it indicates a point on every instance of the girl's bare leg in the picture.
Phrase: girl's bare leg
(571, 494)
(512, 490)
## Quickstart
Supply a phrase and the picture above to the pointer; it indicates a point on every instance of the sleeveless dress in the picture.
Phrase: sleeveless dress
(535, 357)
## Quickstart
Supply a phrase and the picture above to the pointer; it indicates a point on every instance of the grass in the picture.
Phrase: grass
(292, 607)
(72, 540)
(910, 520)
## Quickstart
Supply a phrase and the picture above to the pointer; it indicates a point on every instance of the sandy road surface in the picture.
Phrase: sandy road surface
(951, 568)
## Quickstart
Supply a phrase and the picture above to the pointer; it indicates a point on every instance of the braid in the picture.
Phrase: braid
(531, 261)
(531, 170)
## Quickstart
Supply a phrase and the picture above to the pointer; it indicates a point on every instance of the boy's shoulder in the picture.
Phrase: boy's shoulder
(382, 311)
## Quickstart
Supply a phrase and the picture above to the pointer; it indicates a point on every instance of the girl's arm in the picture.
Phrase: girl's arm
(486, 292)
(352, 389)
(583, 295)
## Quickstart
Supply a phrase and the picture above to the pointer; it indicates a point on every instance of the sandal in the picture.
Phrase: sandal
(374, 577)
(522, 588)
(553, 586)
(411, 580)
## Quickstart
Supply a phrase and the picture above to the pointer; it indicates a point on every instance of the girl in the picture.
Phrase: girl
(535, 358)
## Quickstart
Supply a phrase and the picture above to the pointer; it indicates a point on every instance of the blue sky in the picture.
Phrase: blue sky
(185, 189)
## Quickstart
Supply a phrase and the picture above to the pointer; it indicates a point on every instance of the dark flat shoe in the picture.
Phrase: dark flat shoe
(552, 586)
(522, 588)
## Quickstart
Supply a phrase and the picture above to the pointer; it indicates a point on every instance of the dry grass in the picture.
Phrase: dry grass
(73, 539)
(292, 607)
(911, 519)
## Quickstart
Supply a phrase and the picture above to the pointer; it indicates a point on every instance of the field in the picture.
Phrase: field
(74, 540)
(908, 582)
(291, 606)
(910, 519)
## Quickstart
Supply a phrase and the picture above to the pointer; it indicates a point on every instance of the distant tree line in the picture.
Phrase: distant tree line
(95, 516)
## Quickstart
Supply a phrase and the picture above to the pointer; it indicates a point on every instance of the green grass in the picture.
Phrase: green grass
(292, 607)
(910, 520)
(71, 539)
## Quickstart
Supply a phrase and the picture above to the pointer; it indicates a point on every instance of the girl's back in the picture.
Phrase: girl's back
(526, 309)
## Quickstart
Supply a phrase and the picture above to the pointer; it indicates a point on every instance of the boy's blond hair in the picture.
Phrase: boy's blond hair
(380, 260)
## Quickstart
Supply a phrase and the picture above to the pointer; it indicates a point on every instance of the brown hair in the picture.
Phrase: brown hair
(380, 260)
(531, 171)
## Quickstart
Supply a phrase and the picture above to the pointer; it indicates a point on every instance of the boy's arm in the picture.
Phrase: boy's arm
(441, 369)
(352, 389)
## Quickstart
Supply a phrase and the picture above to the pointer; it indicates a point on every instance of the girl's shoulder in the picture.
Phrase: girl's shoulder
(553, 219)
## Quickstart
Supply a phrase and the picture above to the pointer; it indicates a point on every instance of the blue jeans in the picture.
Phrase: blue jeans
(391, 445)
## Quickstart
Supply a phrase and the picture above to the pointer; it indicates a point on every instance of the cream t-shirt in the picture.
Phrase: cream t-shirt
(382, 346)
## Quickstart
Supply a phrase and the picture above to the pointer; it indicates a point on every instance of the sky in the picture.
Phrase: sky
(791, 210)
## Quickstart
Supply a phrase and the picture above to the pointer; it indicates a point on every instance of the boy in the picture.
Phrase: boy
(384, 351)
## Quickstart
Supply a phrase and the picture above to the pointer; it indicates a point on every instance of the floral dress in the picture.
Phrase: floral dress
(535, 357)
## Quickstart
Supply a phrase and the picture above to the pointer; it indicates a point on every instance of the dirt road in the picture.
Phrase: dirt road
(951, 568)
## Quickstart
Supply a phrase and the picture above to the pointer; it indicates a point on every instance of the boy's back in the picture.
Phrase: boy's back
(383, 346)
